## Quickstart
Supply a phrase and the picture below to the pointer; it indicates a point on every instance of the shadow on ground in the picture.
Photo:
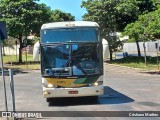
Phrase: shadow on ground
(152, 73)
(110, 96)
(14, 70)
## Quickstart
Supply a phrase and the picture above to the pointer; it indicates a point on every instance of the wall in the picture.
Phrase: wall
(15, 50)
(132, 47)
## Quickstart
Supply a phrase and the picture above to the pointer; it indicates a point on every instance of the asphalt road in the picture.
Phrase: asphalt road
(125, 90)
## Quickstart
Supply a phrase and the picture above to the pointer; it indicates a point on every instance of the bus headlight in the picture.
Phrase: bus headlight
(96, 83)
(50, 85)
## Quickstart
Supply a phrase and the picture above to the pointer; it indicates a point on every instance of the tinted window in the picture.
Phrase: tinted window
(71, 59)
(70, 35)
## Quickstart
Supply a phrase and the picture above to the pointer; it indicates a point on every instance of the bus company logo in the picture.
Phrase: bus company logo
(6, 114)
(61, 82)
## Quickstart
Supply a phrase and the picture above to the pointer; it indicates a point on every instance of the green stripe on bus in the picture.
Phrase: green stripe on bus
(87, 80)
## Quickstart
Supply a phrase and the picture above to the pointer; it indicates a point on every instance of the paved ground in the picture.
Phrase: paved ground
(125, 90)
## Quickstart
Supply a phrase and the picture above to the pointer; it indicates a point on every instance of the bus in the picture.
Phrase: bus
(71, 59)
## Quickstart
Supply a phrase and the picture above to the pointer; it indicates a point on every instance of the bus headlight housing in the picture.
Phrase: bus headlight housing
(97, 83)
(48, 85)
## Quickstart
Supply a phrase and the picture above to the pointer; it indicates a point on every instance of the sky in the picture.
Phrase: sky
(68, 6)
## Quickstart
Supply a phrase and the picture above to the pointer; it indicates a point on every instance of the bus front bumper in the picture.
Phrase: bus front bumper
(72, 92)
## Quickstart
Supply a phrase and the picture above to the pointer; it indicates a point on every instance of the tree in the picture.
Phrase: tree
(107, 14)
(58, 15)
(102, 13)
(114, 15)
(133, 30)
(151, 21)
(151, 27)
(147, 27)
(23, 17)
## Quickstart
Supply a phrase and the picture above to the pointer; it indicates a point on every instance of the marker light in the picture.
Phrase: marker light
(50, 85)
(96, 84)
(46, 93)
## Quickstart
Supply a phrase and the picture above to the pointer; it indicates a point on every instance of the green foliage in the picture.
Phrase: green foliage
(112, 16)
(36, 39)
(147, 27)
(117, 15)
(13, 64)
(58, 16)
(119, 12)
(26, 16)
(135, 59)
(23, 17)
(12, 58)
(153, 26)
(133, 30)
(25, 66)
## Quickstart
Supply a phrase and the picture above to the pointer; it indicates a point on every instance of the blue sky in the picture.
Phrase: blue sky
(68, 6)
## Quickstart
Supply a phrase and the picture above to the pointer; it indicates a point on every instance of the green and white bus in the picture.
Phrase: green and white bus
(71, 59)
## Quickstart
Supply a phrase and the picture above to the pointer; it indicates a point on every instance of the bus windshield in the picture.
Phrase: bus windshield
(71, 59)
(70, 35)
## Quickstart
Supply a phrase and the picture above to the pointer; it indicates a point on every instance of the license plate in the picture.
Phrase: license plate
(73, 92)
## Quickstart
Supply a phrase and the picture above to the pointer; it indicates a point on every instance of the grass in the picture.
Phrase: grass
(24, 67)
(14, 58)
(11, 61)
(138, 62)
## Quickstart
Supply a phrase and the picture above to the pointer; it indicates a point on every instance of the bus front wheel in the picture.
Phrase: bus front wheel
(49, 100)
(94, 98)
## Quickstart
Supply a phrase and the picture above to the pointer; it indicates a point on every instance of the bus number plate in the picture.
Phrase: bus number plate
(73, 92)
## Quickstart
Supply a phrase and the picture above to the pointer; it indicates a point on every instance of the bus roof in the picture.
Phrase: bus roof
(69, 24)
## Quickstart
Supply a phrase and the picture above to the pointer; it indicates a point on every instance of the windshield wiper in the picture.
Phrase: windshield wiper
(78, 66)
(63, 68)
(83, 71)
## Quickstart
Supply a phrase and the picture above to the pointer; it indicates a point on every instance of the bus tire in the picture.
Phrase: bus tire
(49, 100)
(94, 98)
